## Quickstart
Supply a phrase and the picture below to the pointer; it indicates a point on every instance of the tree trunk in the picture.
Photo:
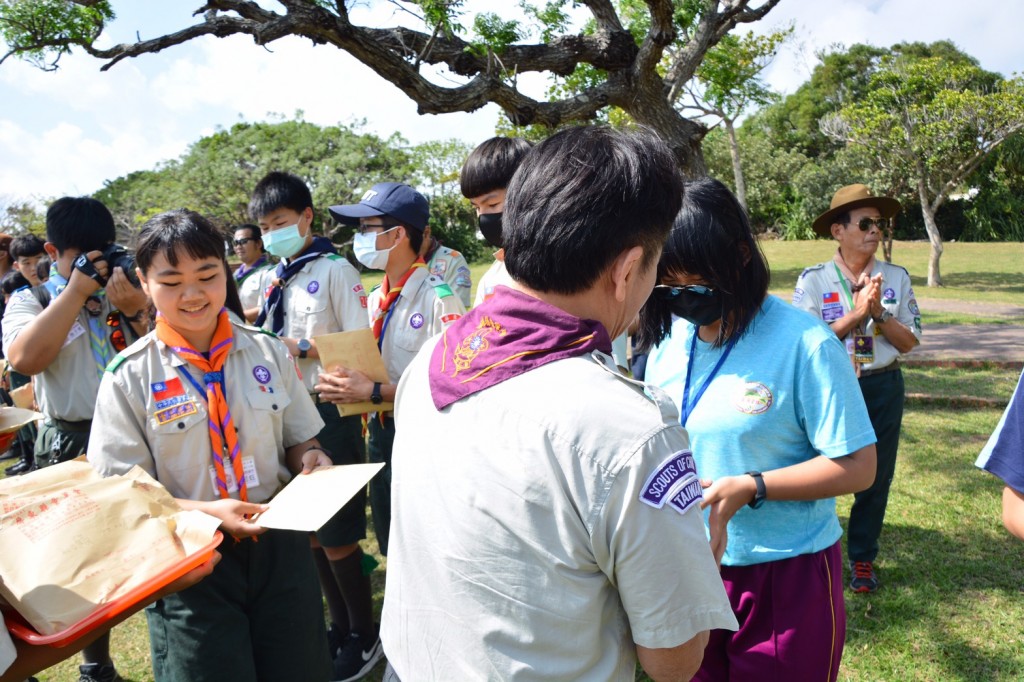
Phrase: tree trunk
(649, 107)
(887, 244)
(737, 168)
(934, 276)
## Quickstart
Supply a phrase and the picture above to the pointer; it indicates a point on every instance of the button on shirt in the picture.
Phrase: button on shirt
(819, 291)
(269, 405)
(419, 314)
(326, 296)
(66, 389)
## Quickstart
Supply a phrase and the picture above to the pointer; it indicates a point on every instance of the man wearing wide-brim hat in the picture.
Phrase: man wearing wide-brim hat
(870, 305)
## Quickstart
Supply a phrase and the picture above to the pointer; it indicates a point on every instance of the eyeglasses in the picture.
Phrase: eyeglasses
(244, 241)
(865, 223)
(366, 227)
(117, 339)
(667, 292)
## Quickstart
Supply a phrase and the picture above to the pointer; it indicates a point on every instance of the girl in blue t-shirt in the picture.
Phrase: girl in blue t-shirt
(778, 428)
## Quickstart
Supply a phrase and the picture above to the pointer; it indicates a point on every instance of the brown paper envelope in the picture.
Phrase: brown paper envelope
(23, 396)
(355, 350)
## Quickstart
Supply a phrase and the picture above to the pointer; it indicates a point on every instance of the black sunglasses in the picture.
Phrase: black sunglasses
(667, 292)
(243, 241)
(865, 223)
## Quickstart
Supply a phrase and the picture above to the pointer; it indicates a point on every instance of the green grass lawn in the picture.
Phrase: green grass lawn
(990, 272)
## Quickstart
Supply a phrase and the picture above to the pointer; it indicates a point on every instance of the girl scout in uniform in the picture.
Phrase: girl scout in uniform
(215, 411)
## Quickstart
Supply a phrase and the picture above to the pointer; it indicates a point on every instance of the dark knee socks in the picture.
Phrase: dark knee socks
(355, 588)
(329, 586)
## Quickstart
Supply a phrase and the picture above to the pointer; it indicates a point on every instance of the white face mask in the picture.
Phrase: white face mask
(364, 246)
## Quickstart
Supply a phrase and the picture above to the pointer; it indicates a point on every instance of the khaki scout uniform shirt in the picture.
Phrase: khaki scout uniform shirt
(326, 296)
(149, 414)
(820, 292)
(451, 266)
(250, 291)
(66, 389)
(425, 307)
(552, 543)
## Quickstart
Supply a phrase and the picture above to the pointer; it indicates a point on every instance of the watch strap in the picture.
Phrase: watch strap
(375, 397)
(762, 491)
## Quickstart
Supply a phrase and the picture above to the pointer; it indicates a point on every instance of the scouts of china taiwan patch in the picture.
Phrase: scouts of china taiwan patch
(672, 478)
(476, 343)
(169, 414)
(754, 398)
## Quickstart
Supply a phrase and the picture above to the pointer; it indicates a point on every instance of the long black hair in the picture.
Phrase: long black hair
(191, 233)
(710, 239)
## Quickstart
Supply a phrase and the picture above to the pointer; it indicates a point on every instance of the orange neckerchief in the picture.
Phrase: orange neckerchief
(391, 294)
(223, 438)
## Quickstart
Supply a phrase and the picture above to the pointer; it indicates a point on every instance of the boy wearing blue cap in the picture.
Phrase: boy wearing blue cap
(315, 291)
(407, 308)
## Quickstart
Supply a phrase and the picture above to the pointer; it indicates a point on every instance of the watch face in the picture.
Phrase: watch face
(304, 344)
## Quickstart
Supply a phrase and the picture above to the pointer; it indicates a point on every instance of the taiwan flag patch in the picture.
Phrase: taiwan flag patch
(831, 297)
(164, 390)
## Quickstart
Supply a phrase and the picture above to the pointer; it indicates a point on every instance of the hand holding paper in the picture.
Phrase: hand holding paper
(310, 500)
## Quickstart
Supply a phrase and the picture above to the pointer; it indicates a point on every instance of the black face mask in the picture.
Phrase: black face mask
(490, 227)
(697, 304)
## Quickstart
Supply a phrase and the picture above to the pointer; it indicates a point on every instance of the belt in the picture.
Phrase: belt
(77, 427)
(891, 367)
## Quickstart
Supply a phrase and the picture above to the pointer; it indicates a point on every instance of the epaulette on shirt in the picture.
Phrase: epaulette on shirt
(334, 256)
(441, 287)
(253, 328)
(819, 266)
(127, 353)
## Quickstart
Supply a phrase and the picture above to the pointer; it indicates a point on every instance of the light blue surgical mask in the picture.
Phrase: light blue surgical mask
(284, 242)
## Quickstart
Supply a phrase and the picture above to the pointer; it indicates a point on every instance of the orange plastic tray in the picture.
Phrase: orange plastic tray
(22, 630)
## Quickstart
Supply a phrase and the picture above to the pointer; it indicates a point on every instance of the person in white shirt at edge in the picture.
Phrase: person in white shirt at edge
(538, 534)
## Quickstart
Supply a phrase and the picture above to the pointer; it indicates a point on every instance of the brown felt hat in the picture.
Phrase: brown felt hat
(851, 197)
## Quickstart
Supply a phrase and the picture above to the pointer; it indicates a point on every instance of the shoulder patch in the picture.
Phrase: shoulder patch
(819, 266)
(670, 477)
(441, 287)
(334, 256)
(115, 363)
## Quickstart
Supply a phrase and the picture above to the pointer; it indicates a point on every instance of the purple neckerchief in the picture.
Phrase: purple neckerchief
(507, 335)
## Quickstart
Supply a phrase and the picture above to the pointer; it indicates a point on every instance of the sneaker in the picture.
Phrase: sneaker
(863, 577)
(96, 672)
(333, 640)
(22, 467)
(356, 658)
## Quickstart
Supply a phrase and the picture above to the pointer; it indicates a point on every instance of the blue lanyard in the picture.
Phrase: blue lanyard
(686, 408)
(387, 318)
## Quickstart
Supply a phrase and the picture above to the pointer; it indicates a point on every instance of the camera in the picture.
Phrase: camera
(119, 257)
(116, 256)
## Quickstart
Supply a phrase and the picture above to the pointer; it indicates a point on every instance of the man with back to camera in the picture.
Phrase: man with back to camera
(869, 304)
(537, 534)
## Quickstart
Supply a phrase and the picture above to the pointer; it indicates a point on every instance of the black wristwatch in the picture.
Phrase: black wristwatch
(883, 318)
(762, 492)
(304, 345)
(376, 398)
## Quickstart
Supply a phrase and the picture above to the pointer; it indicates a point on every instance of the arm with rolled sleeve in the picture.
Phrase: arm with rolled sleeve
(661, 564)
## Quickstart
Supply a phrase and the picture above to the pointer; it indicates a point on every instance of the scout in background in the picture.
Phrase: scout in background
(215, 411)
(248, 246)
(64, 333)
(315, 291)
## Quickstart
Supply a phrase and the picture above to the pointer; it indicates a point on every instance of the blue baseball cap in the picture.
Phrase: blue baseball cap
(394, 199)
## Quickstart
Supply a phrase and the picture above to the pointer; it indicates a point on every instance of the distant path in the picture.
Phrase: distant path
(970, 307)
(990, 342)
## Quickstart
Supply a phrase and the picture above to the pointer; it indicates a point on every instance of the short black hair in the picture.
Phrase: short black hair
(711, 239)
(43, 268)
(81, 223)
(254, 233)
(26, 245)
(279, 190)
(182, 231)
(581, 198)
(13, 281)
(492, 164)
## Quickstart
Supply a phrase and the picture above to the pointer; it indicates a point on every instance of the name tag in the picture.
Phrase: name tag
(252, 479)
(76, 330)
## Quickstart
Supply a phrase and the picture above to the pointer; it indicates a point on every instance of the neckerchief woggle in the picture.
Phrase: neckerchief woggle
(685, 406)
(509, 334)
(223, 436)
(286, 271)
(102, 351)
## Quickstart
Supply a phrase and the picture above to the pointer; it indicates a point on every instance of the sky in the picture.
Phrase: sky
(65, 132)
